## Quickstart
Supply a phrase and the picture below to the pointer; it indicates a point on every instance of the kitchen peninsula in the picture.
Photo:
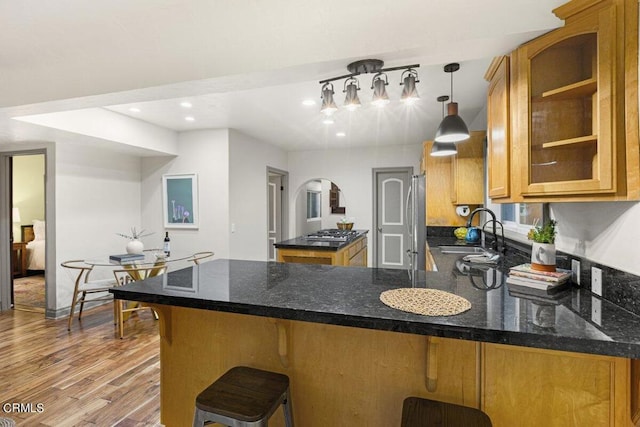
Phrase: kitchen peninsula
(329, 246)
(352, 360)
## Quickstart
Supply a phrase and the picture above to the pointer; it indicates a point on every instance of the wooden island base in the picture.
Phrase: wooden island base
(345, 376)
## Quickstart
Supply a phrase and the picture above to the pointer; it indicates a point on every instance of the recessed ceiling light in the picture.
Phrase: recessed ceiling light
(309, 102)
(186, 104)
(341, 134)
(190, 119)
(134, 110)
(328, 121)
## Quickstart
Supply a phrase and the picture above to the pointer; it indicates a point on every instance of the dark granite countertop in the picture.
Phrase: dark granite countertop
(349, 296)
(301, 243)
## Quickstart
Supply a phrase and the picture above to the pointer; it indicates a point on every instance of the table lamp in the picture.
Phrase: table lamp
(15, 214)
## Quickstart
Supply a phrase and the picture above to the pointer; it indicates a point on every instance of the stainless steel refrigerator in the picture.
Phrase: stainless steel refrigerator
(417, 228)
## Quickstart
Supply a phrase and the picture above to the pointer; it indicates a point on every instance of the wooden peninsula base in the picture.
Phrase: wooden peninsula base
(345, 376)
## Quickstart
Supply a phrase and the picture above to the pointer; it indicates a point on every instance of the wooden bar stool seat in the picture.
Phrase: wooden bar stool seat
(418, 412)
(244, 397)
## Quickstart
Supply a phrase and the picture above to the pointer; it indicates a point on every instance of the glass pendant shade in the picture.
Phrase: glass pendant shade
(380, 97)
(328, 104)
(442, 149)
(452, 128)
(351, 101)
(409, 91)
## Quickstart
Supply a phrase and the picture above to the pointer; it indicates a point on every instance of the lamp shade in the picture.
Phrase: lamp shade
(409, 91)
(328, 104)
(351, 101)
(452, 128)
(380, 97)
(15, 214)
(442, 149)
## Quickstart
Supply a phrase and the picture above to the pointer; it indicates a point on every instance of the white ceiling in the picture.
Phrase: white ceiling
(248, 65)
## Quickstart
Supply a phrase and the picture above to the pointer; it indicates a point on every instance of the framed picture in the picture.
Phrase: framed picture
(180, 199)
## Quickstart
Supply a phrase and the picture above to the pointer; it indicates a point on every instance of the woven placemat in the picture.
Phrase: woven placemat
(428, 302)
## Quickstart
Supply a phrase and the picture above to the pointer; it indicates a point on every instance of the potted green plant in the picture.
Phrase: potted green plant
(543, 249)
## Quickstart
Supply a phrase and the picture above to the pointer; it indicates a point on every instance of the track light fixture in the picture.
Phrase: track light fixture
(378, 84)
(442, 149)
(452, 128)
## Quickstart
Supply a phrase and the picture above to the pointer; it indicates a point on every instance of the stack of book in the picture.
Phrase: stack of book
(524, 275)
(125, 258)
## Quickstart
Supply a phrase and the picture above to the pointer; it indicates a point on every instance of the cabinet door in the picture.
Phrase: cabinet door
(533, 387)
(566, 96)
(467, 170)
(498, 128)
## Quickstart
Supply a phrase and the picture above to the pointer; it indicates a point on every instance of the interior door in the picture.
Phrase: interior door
(274, 189)
(391, 235)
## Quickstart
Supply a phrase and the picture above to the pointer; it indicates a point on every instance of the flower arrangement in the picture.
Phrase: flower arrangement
(135, 235)
(545, 233)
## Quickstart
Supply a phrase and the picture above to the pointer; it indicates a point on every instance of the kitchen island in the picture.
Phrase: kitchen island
(329, 247)
(352, 360)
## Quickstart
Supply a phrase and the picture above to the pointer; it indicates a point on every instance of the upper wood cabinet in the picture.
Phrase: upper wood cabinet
(454, 180)
(565, 128)
(467, 171)
(498, 128)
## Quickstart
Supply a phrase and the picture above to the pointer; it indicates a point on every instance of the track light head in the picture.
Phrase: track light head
(378, 84)
(328, 104)
(409, 92)
(351, 88)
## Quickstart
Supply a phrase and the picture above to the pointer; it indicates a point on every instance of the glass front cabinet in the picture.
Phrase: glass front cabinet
(572, 114)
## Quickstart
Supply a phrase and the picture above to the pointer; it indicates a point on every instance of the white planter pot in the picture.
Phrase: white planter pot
(135, 247)
(543, 256)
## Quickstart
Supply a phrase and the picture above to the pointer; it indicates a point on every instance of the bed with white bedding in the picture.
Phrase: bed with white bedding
(34, 236)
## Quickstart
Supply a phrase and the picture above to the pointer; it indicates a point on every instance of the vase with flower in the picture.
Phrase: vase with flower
(135, 245)
(543, 249)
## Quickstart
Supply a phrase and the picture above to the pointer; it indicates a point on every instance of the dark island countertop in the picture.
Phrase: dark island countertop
(301, 242)
(573, 321)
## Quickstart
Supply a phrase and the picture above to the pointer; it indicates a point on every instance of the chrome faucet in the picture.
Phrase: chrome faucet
(494, 221)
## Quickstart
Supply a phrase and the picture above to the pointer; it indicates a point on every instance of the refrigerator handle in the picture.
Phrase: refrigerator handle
(406, 213)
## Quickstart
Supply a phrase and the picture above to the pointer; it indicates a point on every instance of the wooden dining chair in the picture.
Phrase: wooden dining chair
(199, 256)
(84, 287)
(129, 274)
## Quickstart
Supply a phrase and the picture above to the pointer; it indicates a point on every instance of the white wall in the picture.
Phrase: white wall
(606, 233)
(248, 161)
(97, 195)
(205, 153)
(351, 170)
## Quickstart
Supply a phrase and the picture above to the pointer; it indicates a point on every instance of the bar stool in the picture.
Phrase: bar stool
(418, 412)
(244, 397)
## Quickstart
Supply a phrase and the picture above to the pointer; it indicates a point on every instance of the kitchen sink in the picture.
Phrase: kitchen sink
(460, 249)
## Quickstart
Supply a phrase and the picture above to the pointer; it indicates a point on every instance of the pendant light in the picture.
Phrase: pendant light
(378, 84)
(351, 87)
(442, 149)
(328, 104)
(409, 92)
(452, 128)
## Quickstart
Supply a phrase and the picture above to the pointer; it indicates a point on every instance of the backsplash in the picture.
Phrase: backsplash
(618, 287)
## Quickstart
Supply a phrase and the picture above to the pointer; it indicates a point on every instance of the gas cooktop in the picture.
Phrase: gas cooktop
(332, 235)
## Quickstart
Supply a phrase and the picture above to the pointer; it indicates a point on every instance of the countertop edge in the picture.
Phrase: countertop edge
(521, 339)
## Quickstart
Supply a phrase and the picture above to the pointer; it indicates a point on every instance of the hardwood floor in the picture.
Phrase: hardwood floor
(86, 377)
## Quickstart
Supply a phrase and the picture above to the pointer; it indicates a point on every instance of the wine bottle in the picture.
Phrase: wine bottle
(167, 244)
